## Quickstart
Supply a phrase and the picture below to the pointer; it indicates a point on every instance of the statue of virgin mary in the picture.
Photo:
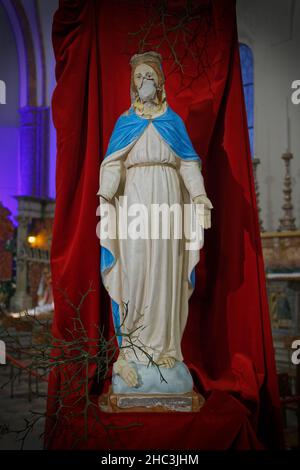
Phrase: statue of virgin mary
(150, 160)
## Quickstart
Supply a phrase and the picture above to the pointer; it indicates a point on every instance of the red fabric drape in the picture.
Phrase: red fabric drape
(227, 343)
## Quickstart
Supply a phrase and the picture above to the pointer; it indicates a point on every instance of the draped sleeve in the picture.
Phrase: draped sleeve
(190, 172)
(109, 178)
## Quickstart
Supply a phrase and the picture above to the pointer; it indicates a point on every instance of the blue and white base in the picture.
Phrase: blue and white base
(176, 380)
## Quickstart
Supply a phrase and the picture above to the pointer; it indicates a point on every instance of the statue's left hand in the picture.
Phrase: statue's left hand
(205, 213)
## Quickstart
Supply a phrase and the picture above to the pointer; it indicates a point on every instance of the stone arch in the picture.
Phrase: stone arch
(26, 58)
(34, 115)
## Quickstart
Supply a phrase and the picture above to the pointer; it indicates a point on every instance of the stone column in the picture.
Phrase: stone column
(287, 222)
(34, 175)
(255, 163)
(21, 299)
(34, 151)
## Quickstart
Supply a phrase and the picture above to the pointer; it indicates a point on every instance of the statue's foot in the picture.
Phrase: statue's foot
(127, 372)
(166, 361)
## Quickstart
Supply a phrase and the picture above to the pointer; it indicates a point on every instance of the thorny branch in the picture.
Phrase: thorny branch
(80, 360)
(181, 31)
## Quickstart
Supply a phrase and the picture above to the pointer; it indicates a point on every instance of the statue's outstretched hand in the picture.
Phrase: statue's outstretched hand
(204, 210)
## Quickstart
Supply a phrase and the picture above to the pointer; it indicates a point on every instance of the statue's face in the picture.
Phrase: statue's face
(146, 81)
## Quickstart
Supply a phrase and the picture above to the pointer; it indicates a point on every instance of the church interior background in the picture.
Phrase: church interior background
(269, 50)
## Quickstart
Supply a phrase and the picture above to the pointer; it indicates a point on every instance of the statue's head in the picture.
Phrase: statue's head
(147, 78)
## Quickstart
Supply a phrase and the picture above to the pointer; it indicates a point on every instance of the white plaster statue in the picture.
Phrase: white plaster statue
(150, 160)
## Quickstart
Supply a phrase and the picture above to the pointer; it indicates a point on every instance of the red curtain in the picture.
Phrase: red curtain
(227, 343)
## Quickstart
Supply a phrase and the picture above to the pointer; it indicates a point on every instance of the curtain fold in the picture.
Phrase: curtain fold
(227, 343)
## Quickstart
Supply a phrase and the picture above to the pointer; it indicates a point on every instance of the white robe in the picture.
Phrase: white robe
(151, 276)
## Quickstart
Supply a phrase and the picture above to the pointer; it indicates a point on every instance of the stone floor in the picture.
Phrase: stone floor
(17, 401)
(14, 410)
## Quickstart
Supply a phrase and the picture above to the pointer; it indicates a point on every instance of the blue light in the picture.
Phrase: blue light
(246, 57)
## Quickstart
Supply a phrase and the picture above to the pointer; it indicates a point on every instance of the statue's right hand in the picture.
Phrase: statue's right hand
(127, 372)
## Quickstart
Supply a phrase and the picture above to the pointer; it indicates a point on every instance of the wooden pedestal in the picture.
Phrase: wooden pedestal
(150, 403)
